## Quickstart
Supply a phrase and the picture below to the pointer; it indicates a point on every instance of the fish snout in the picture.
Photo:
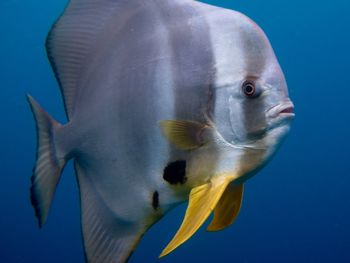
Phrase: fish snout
(282, 110)
(280, 115)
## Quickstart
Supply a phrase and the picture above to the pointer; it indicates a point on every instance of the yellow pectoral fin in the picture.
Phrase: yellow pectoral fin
(227, 208)
(202, 201)
(185, 135)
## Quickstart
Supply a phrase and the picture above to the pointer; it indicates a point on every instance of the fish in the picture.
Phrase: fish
(167, 101)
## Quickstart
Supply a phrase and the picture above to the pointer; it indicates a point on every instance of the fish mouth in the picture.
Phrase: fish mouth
(289, 110)
(283, 110)
(280, 115)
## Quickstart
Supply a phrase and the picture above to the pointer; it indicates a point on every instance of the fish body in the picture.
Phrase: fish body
(166, 101)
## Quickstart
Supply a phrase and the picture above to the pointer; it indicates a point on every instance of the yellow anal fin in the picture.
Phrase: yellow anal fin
(185, 135)
(202, 201)
(227, 208)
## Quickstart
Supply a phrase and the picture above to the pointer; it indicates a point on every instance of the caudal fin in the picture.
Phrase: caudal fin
(48, 167)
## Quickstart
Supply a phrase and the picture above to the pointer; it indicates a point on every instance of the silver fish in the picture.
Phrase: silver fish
(167, 101)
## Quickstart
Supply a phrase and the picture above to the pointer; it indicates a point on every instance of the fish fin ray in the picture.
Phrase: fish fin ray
(106, 238)
(202, 201)
(227, 209)
(48, 167)
(71, 41)
(185, 135)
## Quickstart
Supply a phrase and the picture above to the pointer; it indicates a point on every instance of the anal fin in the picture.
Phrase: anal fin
(107, 238)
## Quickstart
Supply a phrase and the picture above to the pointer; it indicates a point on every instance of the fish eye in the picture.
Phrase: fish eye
(249, 88)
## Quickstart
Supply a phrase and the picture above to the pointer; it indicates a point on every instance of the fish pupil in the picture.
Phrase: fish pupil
(248, 88)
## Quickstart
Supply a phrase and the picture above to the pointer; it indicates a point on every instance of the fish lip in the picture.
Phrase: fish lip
(283, 110)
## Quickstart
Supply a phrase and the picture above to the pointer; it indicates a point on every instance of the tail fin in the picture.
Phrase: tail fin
(48, 167)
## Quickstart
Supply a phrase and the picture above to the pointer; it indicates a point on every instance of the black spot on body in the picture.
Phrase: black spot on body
(155, 200)
(175, 172)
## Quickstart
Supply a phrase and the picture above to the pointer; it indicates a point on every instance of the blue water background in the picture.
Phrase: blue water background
(296, 210)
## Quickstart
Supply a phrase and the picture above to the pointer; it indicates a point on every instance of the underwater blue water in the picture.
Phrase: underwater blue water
(296, 209)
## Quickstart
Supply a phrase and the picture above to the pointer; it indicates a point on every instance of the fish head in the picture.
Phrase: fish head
(259, 109)
(252, 107)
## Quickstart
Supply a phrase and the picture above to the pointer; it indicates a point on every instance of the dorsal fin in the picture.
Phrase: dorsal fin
(72, 41)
